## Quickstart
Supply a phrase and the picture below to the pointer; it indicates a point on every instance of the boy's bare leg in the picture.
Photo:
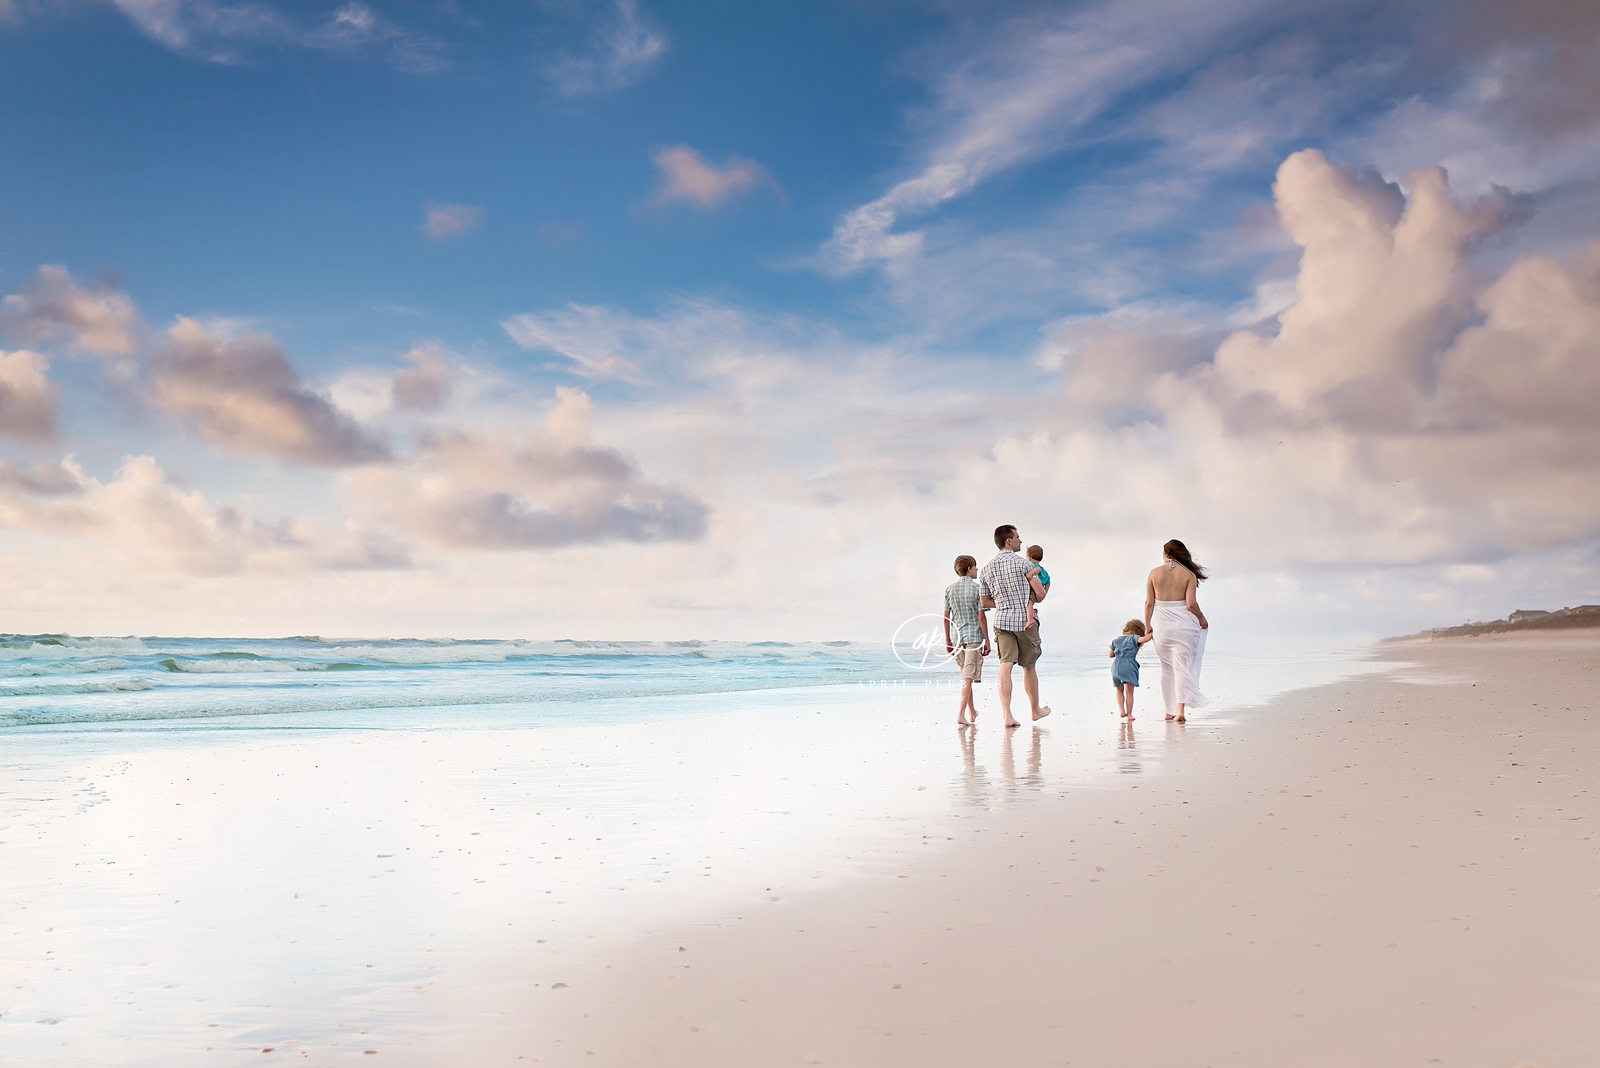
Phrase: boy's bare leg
(1005, 693)
(1030, 683)
(966, 699)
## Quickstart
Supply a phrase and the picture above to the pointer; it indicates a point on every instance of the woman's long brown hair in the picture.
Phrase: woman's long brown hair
(1180, 552)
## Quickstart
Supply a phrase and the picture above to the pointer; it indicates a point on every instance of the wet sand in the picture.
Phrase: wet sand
(1392, 870)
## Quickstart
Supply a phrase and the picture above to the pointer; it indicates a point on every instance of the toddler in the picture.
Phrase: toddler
(1035, 555)
(1125, 665)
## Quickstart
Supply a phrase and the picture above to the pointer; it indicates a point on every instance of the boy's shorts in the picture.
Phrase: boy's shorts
(969, 658)
(1020, 647)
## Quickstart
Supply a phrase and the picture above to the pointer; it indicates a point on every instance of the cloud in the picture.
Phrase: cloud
(241, 393)
(689, 176)
(426, 386)
(450, 220)
(1033, 82)
(142, 516)
(226, 32)
(619, 54)
(542, 491)
(28, 399)
(54, 307)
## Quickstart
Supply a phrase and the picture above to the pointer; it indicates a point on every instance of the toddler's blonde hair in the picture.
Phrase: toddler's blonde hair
(1036, 553)
(1134, 627)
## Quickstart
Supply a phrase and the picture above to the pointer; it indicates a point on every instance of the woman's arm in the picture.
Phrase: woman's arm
(1149, 600)
(1194, 604)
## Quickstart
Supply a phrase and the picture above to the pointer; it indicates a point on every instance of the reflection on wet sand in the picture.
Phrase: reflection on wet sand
(975, 786)
(1128, 750)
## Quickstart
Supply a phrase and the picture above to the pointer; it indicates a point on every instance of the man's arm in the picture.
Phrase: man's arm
(985, 601)
(983, 626)
(1039, 588)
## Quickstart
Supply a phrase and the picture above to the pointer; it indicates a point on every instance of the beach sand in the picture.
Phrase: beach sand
(1393, 870)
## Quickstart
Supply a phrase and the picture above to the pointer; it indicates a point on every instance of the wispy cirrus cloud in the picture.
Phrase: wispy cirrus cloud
(443, 221)
(688, 177)
(228, 32)
(622, 48)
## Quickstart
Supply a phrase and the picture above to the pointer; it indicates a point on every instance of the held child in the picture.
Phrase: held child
(1035, 555)
(969, 642)
(1125, 667)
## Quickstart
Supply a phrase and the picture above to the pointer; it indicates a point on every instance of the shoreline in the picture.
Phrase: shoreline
(1356, 873)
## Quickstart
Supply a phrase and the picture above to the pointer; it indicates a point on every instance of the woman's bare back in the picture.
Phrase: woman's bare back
(1172, 582)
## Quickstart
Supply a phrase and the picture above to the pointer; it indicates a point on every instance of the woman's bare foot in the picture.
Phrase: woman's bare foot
(1170, 717)
(1041, 712)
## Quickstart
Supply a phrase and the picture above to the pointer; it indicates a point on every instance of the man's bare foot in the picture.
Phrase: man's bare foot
(1041, 712)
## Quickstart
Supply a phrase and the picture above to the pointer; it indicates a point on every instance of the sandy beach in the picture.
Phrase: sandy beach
(1400, 869)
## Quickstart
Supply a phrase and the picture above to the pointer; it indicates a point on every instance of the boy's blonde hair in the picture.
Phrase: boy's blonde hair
(1134, 627)
(965, 564)
(1036, 553)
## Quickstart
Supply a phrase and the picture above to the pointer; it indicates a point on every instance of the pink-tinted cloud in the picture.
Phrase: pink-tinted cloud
(55, 307)
(688, 177)
(28, 399)
(450, 220)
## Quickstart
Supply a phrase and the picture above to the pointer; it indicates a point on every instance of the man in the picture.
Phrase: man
(961, 611)
(1003, 585)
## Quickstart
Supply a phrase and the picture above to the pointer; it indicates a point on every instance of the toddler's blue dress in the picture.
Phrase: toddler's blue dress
(1125, 668)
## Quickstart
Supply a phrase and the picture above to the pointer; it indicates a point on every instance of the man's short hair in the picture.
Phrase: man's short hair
(965, 564)
(1003, 535)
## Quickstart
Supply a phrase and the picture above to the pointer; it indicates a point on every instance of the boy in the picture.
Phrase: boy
(970, 642)
(1036, 555)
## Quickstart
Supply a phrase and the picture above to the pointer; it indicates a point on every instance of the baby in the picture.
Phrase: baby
(1036, 554)
(1125, 669)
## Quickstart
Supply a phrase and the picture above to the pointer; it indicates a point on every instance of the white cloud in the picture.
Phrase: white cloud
(621, 51)
(241, 392)
(541, 490)
(1018, 98)
(226, 32)
(688, 176)
(450, 220)
(148, 521)
(54, 307)
(28, 399)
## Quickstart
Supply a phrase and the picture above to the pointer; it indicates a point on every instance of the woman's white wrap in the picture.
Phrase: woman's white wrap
(1181, 645)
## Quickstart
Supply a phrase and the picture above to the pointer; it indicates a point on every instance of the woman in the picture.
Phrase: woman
(1173, 615)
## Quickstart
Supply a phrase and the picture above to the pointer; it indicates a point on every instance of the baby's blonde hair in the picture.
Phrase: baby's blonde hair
(1036, 553)
(1134, 627)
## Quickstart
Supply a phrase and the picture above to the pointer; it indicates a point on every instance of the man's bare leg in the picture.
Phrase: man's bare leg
(1030, 683)
(1005, 693)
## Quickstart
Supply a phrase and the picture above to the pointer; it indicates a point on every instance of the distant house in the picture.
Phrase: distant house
(1523, 615)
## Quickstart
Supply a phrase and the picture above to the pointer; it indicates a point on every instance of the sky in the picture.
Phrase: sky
(632, 319)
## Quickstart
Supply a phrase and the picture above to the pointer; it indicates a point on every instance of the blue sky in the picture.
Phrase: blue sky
(363, 318)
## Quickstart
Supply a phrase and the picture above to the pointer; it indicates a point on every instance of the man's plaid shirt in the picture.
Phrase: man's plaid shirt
(961, 602)
(1005, 578)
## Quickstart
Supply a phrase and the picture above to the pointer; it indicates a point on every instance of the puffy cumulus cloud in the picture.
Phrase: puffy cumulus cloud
(426, 385)
(55, 307)
(621, 50)
(150, 521)
(551, 489)
(28, 399)
(1402, 413)
(242, 394)
(450, 220)
(689, 177)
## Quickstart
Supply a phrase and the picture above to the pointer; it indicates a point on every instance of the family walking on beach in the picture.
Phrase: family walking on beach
(1012, 585)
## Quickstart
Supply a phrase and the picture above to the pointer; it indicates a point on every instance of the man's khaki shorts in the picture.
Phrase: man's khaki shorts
(969, 658)
(1020, 647)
